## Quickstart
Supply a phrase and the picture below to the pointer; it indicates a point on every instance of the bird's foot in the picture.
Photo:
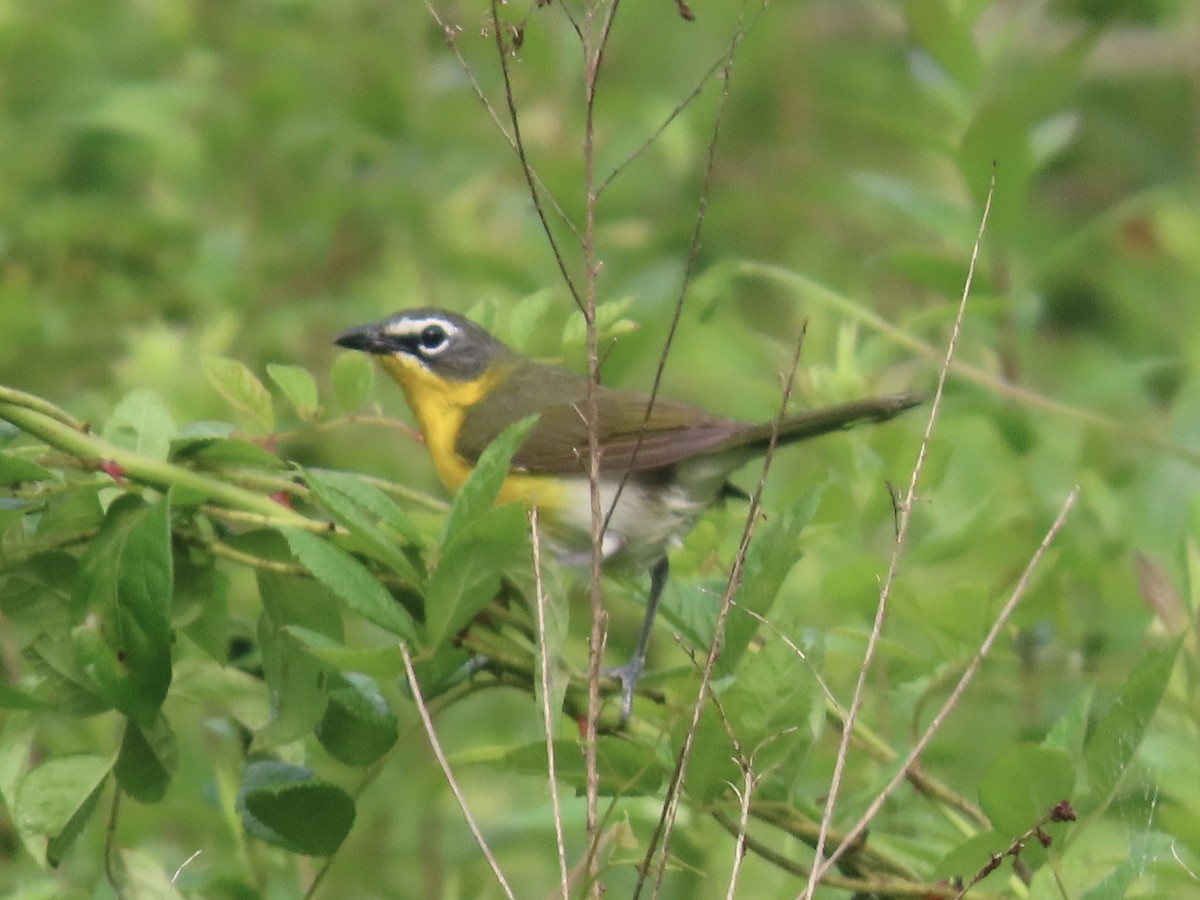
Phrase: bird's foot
(628, 675)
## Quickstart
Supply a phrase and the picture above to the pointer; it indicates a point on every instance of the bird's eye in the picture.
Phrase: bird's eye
(433, 337)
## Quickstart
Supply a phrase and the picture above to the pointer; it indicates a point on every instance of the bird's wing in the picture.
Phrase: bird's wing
(558, 443)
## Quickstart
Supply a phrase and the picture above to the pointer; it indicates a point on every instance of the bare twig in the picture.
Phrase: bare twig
(861, 887)
(875, 747)
(690, 264)
(548, 714)
(436, 746)
(816, 292)
(749, 782)
(744, 793)
(183, 865)
(721, 64)
(670, 808)
(897, 549)
(1060, 812)
(593, 45)
(451, 34)
(951, 701)
(1175, 855)
(519, 145)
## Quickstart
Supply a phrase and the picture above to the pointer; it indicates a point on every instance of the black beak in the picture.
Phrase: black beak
(367, 338)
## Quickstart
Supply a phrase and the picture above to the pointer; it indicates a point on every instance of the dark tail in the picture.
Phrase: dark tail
(815, 422)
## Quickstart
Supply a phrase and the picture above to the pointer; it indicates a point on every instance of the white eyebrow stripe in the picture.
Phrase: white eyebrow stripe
(409, 327)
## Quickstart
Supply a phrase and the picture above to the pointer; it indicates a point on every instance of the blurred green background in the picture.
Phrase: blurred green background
(245, 179)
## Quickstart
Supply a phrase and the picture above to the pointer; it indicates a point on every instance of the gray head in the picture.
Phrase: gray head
(441, 342)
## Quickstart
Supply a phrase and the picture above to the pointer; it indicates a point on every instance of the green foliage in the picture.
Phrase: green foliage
(292, 808)
(204, 596)
(123, 646)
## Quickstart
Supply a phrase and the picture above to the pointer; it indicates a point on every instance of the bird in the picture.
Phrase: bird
(661, 463)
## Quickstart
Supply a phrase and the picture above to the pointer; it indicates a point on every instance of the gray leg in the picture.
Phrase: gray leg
(629, 673)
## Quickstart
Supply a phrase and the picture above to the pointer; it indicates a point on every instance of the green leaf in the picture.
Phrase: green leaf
(366, 512)
(772, 553)
(141, 423)
(12, 698)
(440, 671)
(609, 323)
(125, 583)
(78, 513)
(1118, 733)
(1069, 730)
(467, 575)
(1143, 848)
(712, 767)
(625, 768)
(352, 377)
(147, 759)
(997, 142)
(297, 682)
(481, 488)
(16, 744)
(201, 608)
(290, 807)
(15, 469)
(478, 541)
(296, 678)
(526, 316)
(971, 856)
(776, 704)
(354, 489)
(1023, 783)
(63, 682)
(940, 29)
(298, 386)
(382, 662)
(350, 581)
(358, 727)
(293, 599)
(37, 594)
(240, 388)
(223, 453)
(16, 748)
(242, 697)
(142, 877)
(55, 801)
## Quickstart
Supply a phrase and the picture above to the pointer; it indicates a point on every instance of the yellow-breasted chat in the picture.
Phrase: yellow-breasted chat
(661, 465)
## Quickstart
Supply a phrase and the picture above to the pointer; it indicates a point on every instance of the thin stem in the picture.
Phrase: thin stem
(894, 566)
(522, 157)
(436, 746)
(814, 291)
(41, 406)
(548, 717)
(143, 469)
(721, 64)
(593, 57)
(861, 887)
(451, 33)
(688, 269)
(110, 839)
(670, 807)
(952, 701)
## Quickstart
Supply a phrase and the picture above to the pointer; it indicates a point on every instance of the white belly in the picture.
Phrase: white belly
(647, 522)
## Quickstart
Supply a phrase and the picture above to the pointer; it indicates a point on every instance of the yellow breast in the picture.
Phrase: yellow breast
(440, 405)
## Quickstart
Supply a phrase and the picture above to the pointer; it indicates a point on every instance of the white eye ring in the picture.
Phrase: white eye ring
(433, 338)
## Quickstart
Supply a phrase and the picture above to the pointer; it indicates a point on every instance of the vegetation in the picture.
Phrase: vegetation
(251, 649)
